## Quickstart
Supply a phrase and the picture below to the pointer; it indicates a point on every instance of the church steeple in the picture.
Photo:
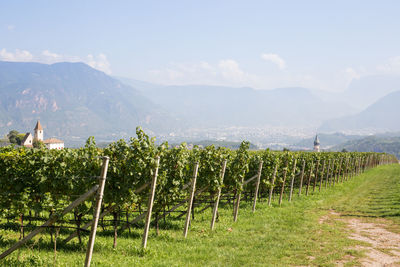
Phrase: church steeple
(38, 131)
(316, 143)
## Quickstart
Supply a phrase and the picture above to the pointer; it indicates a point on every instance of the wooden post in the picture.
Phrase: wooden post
(236, 210)
(336, 180)
(50, 221)
(322, 176)
(190, 202)
(86, 226)
(99, 200)
(327, 173)
(332, 173)
(362, 164)
(271, 190)
(357, 166)
(215, 209)
(292, 182)
(369, 163)
(340, 169)
(257, 185)
(351, 168)
(354, 167)
(302, 176)
(250, 179)
(365, 164)
(316, 175)
(150, 204)
(180, 204)
(345, 170)
(309, 177)
(283, 183)
(104, 213)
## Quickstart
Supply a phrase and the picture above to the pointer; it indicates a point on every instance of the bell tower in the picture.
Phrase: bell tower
(38, 132)
(316, 144)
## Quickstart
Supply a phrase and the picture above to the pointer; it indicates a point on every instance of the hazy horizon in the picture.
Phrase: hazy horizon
(261, 44)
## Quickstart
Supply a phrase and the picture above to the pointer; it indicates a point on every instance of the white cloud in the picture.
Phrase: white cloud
(228, 72)
(224, 72)
(51, 57)
(352, 74)
(276, 59)
(391, 66)
(231, 71)
(99, 62)
(11, 27)
(18, 56)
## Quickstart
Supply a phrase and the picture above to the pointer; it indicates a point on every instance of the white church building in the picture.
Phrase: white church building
(51, 143)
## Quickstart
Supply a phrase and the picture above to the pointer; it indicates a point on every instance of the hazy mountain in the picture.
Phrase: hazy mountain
(382, 116)
(72, 99)
(75, 100)
(367, 90)
(210, 106)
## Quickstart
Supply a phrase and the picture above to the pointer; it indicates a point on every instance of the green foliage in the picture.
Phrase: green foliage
(211, 160)
(15, 137)
(226, 144)
(40, 179)
(38, 144)
(378, 144)
(238, 167)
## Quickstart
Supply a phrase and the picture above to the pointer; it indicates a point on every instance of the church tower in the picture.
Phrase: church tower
(316, 144)
(38, 132)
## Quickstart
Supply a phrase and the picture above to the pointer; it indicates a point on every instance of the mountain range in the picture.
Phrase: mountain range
(74, 100)
(219, 106)
(382, 116)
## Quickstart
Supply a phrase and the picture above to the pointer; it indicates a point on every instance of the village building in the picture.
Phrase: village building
(28, 140)
(54, 143)
(51, 143)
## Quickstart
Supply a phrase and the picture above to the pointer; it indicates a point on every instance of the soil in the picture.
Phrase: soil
(381, 247)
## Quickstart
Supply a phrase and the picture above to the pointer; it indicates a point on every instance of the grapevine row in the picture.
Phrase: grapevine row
(43, 181)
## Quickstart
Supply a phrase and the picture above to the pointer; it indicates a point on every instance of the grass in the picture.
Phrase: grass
(377, 196)
(272, 236)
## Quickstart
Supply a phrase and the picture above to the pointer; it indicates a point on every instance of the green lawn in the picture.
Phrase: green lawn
(272, 236)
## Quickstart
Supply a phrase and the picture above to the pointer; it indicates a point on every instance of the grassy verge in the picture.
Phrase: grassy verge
(376, 197)
(273, 236)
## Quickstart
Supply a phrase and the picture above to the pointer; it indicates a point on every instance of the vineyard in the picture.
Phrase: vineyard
(143, 184)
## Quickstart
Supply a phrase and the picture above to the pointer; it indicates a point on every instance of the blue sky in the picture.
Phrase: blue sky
(263, 44)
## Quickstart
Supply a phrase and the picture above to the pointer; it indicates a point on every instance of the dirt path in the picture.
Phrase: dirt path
(382, 246)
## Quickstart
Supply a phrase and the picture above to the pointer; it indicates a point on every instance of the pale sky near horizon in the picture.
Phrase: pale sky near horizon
(262, 44)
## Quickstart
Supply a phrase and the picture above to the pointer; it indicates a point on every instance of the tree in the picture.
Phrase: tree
(38, 144)
(15, 137)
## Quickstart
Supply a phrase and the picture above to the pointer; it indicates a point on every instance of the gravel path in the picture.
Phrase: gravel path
(382, 247)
